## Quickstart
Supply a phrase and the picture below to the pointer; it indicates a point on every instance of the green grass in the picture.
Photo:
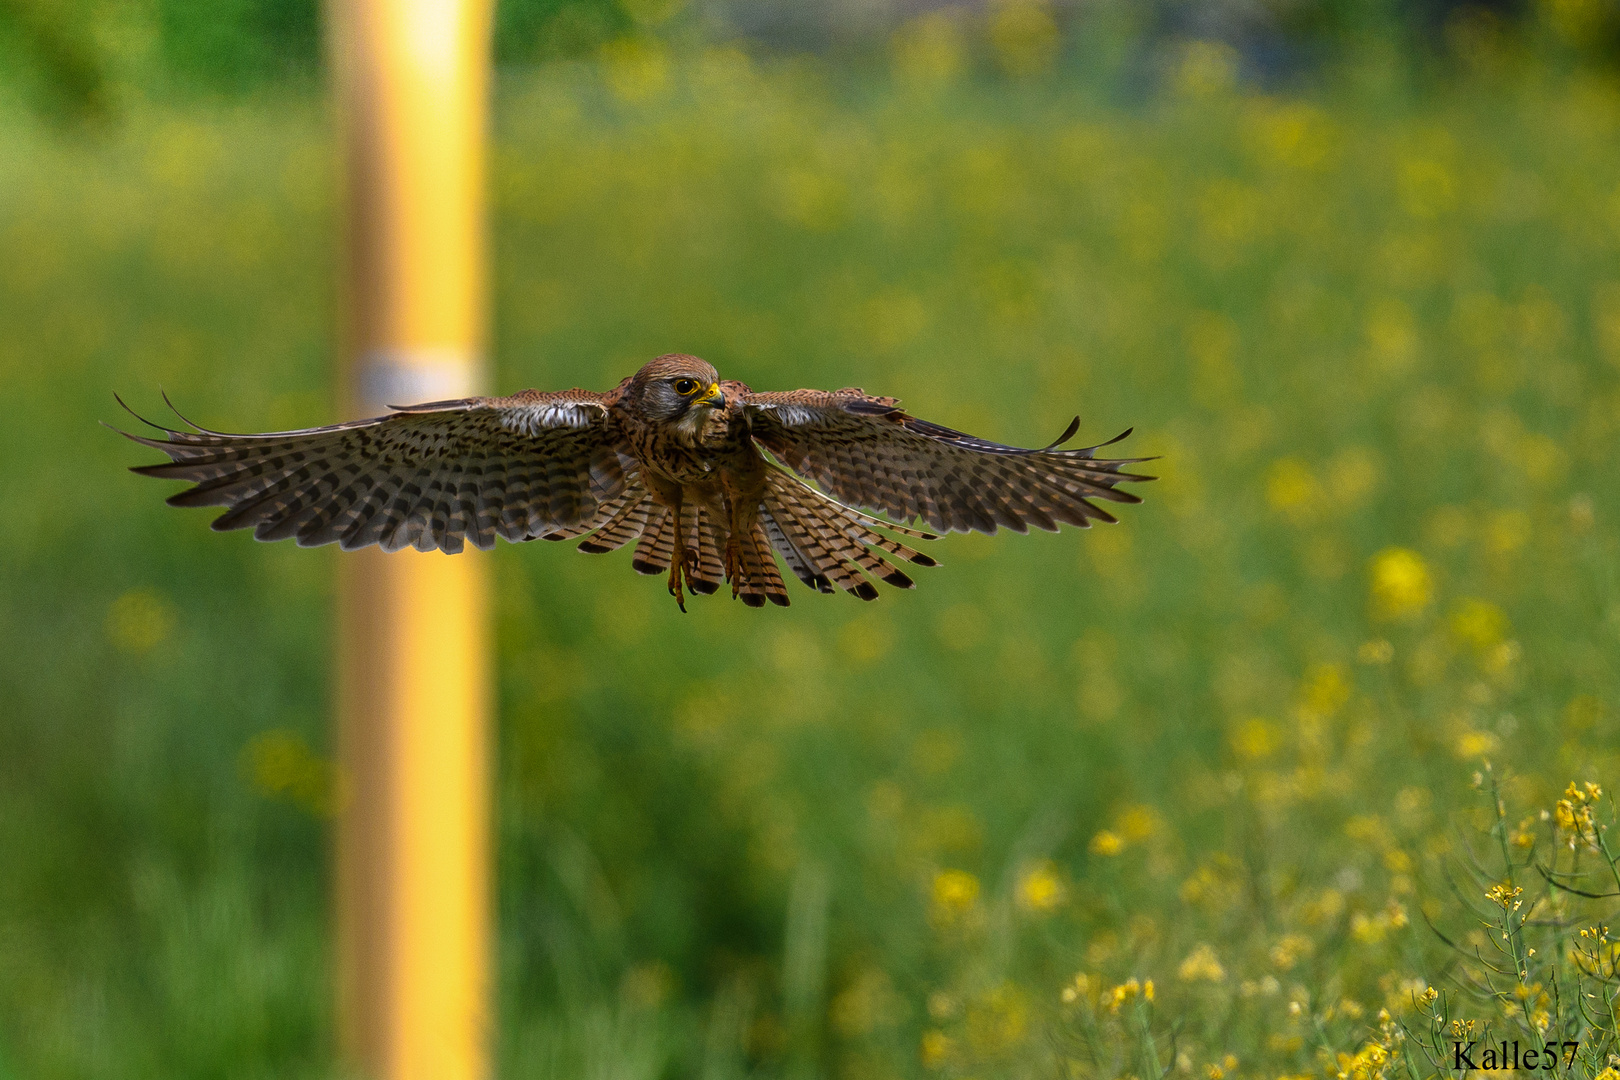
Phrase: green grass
(843, 839)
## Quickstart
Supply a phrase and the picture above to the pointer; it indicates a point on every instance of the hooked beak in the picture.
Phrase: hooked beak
(715, 397)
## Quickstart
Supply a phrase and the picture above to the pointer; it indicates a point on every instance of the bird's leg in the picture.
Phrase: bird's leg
(677, 558)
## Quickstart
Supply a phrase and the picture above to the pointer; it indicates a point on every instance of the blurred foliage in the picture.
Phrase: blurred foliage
(78, 57)
(1176, 795)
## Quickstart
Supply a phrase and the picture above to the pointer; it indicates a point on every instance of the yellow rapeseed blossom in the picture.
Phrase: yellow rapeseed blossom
(635, 69)
(1040, 888)
(280, 764)
(935, 1049)
(1377, 651)
(1290, 950)
(1324, 691)
(1353, 474)
(955, 891)
(1506, 531)
(867, 1004)
(1506, 896)
(1254, 739)
(928, 51)
(1292, 489)
(1137, 823)
(1573, 815)
(998, 1020)
(1392, 338)
(1295, 134)
(1078, 989)
(1201, 965)
(1473, 744)
(139, 620)
(1478, 623)
(1372, 929)
(1128, 991)
(1402, 586)
(1107, 843)
(1024, 36)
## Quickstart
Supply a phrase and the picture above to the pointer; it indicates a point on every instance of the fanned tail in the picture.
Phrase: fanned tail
(826, 543)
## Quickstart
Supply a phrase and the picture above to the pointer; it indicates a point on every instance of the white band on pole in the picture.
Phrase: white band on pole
(395, 378)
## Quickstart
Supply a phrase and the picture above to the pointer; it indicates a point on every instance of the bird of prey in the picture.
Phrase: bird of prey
(702, 473)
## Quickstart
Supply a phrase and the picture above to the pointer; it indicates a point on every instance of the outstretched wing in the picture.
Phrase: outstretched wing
(428, 476)
(869, 452)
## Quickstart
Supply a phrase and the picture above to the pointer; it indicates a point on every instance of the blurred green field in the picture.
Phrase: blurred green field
(1227, 745)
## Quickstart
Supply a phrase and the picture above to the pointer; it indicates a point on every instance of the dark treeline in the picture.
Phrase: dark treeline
(64, 55)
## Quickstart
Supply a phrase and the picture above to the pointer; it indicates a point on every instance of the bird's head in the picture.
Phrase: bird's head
(676, 387)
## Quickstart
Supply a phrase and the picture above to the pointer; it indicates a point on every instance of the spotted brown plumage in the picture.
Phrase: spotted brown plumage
(668, 460)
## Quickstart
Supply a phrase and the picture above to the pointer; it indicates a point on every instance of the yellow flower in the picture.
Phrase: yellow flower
(1040, 888)
(1292, 489)
(1325, 690)
(1107, 843)
(1377, 651)
(1287, 952)
(1024, 35)
(955, 890)
(138, 620)
(1137, 823)
(280, 764)
(635, 69)
(928, 51)
(1479, 623)
(935, 1050)
(1124, 992)
(1201, 965)
(1573, 814)
(1402, 586)
(1506, 897)
(1254, 739)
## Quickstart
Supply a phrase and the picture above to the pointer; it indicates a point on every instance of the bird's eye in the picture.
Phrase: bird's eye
(686, 386)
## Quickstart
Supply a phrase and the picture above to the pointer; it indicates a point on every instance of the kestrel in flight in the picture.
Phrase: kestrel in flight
(670, 458)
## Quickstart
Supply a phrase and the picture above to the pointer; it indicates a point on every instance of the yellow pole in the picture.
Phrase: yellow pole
(412, 693)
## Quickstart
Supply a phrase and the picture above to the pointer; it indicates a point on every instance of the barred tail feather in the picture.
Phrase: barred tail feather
(627, 523)
(761, 580)
(703, 539)
(803, 568)
(657, 543)
(826, 543)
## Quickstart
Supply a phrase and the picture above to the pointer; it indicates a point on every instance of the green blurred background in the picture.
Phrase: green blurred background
(1352, 269)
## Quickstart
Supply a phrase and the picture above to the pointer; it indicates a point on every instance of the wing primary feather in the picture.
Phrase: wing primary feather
(1068, 433)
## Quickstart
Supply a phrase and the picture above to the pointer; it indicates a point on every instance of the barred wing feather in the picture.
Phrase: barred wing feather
(429, 476)
(869, 452)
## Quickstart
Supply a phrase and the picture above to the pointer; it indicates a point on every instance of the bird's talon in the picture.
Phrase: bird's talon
(675, 586)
